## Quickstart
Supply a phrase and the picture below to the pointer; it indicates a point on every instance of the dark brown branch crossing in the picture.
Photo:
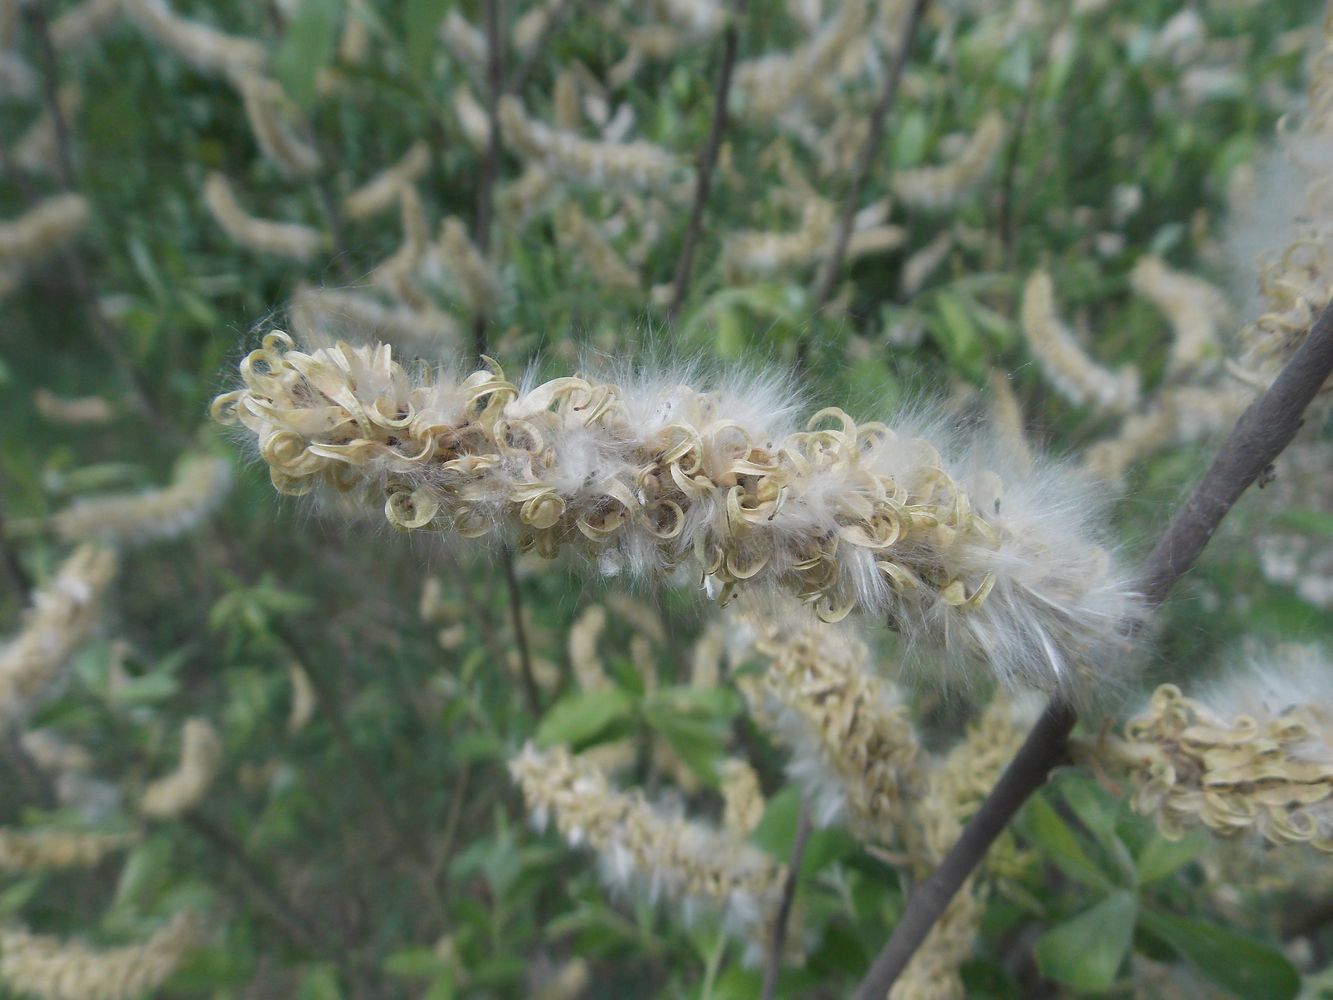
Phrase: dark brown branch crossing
(707, 165)
(1262, 432)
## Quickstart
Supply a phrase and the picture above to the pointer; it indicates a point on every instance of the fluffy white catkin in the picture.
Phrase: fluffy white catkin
(282, 239)
(42, 229)
(648, 472)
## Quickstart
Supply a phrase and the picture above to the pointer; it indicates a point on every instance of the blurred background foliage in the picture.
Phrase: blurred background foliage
(378, 848)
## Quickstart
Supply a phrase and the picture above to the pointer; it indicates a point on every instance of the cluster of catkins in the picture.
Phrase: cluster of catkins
(648, 473)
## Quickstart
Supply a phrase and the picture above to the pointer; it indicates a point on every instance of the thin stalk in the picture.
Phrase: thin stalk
(707, 163)
(869, 156)
(1265, 428)
(530, 690)
(778, 941)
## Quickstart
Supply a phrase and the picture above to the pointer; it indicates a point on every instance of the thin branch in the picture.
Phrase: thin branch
(84, 290)
(707, 164)
(530, 691)
(18, 576)
(490, 164)
(1265, 428)
(869, 156)
(778, 942)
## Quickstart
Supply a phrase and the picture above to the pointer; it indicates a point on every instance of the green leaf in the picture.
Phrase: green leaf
(1312, 522)
(1044, 827)
(415, 963)
(1087, 952)
(307, 48)
(580, 716)
(778, 825)
(1160, 857)
(953, 330)
(1246, 967)
(423, 18)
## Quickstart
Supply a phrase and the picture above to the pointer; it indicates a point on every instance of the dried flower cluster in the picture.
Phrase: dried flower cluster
(1254, 758)
(649, 474)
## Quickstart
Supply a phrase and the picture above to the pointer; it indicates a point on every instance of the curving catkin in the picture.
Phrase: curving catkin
(63, 614)
(649, 473)
(204, 47)
(199, 485)
(42, 229)
(1066, 365)
(647, 850)
(382, 191)
(1193, 307)
(942, 186)
(282, 239)
(630, 166)
(267, 109)
(183, 788)
(53, 850)
(56, 969)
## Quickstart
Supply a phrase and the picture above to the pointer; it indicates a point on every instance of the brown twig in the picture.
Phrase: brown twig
(1260, 435)
(530, 691)
(869, 156)
(84, 290)
(777, 944)
(18, 576)
(707, 163)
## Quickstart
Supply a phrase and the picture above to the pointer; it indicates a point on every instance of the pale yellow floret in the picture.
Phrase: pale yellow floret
(53, 968)
(206, 48)
(42, 229)
(184, 788)
(282, 239)
(587, 629)
(706, 658)
(640, 614)
(62, 617)
(53, 753)
(635, 165)
(1193, 307)
(919, 267)
(476, 276)
(941, 186)
(199, 484)
(303, 699)
(267, 109)
(397, 273)
(465, 41)
(742, 800)
(382, 191)
(570, 980)
(83, 411)
(53, 850)
(1066, 365)
(472, 118)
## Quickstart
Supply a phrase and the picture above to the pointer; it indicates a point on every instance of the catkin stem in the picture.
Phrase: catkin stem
(1260, 435)
(707, 165)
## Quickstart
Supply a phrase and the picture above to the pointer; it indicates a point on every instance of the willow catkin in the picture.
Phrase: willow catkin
(945, 185)
(62, 617)
(36, 150)
(1253, 757)
(743, 802)
(583, 240)
(206, 48)
(584, 634)
(53, 753)
(476, 127)
(79, 24)
(53, 968)
(397, 273)
(627, 166)
(304, 700)
(54, 850)
(1193, 307)
(82, 411)
(647, 473)
(184, 788)
(267, 109)
(465, 41)
(644, 850)
(317, 312)
(382, 191)
(282, 239)
(198, 486)
(477, 280)
(1066, 365)
(42, 229)
(854, 752)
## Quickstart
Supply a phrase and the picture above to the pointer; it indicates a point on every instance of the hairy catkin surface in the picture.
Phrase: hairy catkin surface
(647, 474)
